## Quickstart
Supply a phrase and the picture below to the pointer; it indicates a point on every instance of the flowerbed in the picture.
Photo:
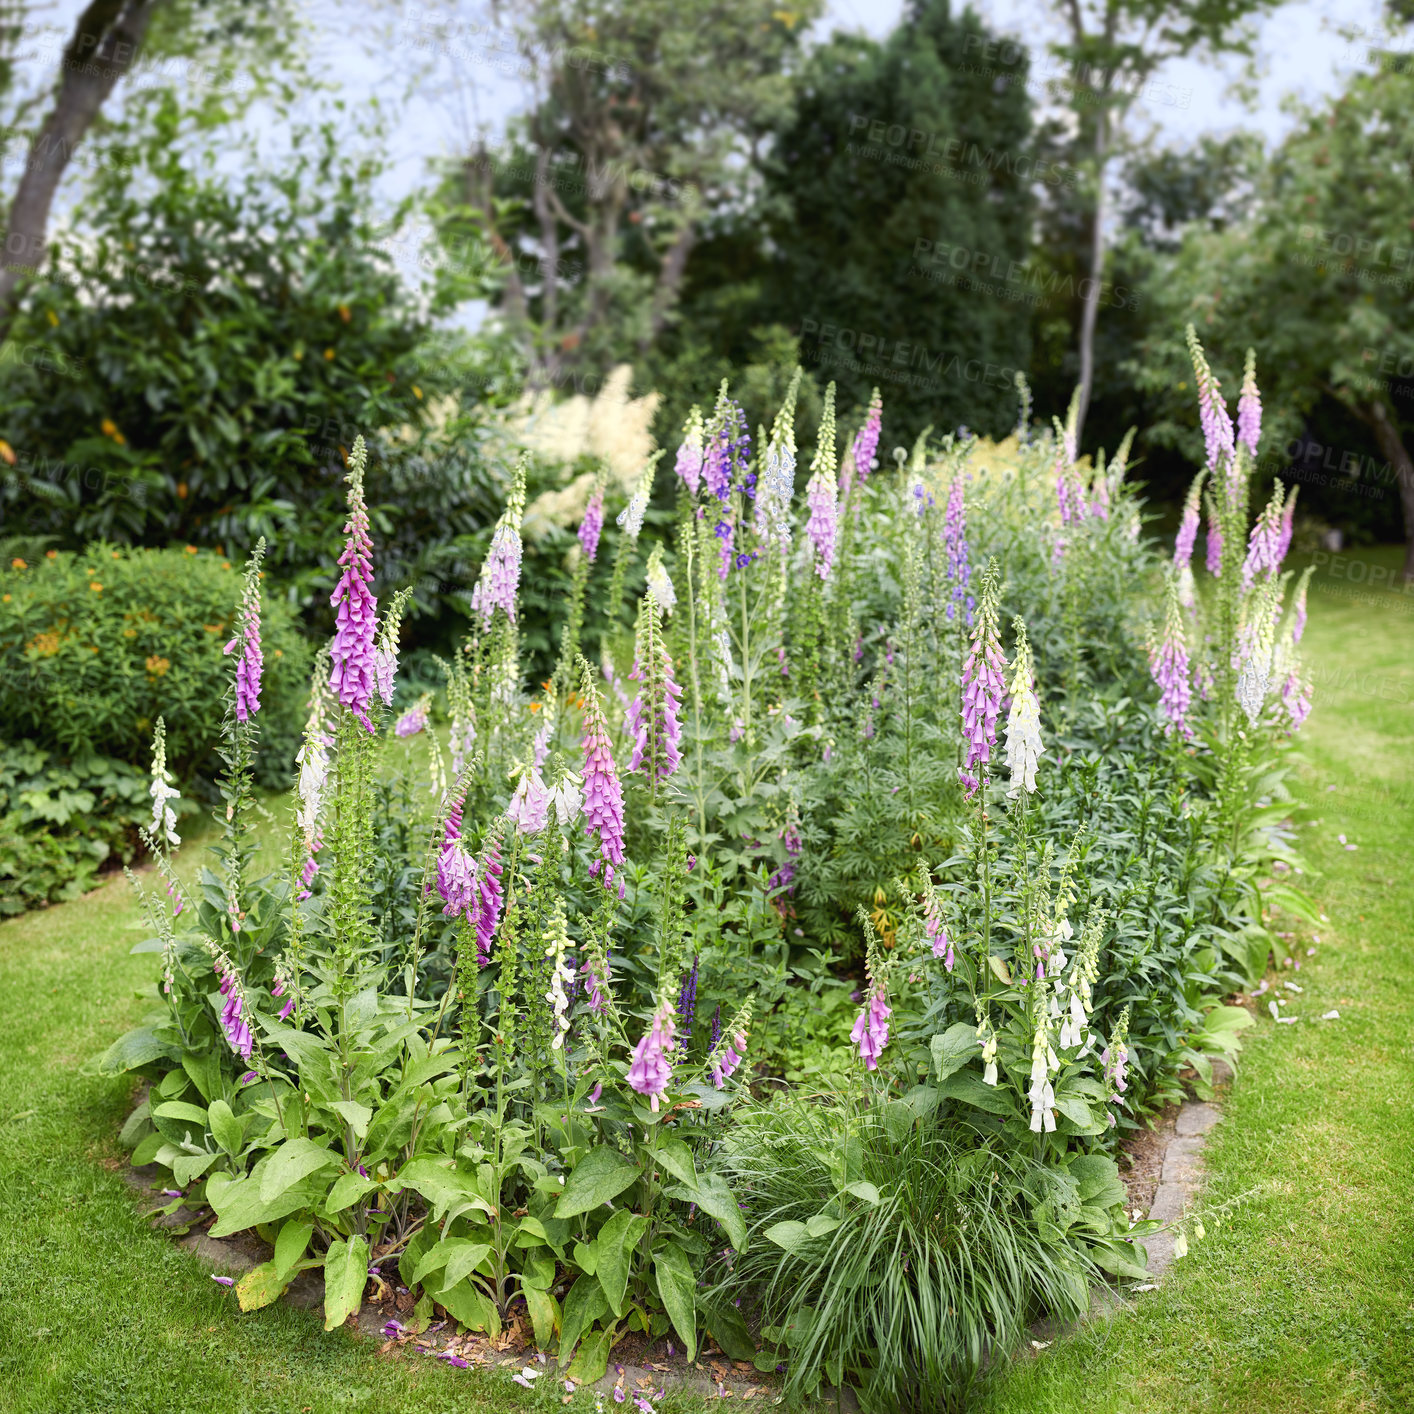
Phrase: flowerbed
(510, 1033)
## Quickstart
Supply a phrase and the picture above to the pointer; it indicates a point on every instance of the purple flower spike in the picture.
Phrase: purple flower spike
(982, 684)
(592, 526)
(603, 793)
(866, 440)
(871, 1029)
(1249, 407)
(1169, 667)
(353, 652)
(649, 1071)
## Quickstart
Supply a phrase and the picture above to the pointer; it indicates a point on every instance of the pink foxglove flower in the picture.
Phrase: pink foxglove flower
(603, 794)
(725, 1059)
(822, 493)
(233, 1023)
(529, 810)
(500, 574)
(1215, 543)
(1044, 1062)
(649, 1070)
(871, 1028)
(488, 900)
(982, 686)
(1249, 406)
(356, 627)
(1169, 668)
(955, 548)
(595, 987)
(251, 663)
(1296, 698)
(1264, 550)
(653, 713)
(592, 526)
(1212, 409)
(414, 720)
(690, 452)
(866, 440)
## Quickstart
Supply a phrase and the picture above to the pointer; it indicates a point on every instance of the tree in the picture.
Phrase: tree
(898, 204)
(111, 39)
(1320, 281)
(645, 113)
(1112, 50)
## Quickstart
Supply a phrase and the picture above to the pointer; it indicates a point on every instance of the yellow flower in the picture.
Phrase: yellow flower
(110, 429)
(95, 586)
(53, 318)
(158, 666)
(7, 452)
(6, 599)
(417, 392)
(181, 490)
(329, 354)
(191, 549)
(18, 564)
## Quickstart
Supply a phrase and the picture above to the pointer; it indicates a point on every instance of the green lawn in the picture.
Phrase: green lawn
(1300, 1303)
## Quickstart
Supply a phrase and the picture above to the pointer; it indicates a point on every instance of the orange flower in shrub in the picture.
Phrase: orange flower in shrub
(96, 587)
(44, 645)
(18, 564)
(158, 666)
(51, 554)
(181, 490)
(7, 452)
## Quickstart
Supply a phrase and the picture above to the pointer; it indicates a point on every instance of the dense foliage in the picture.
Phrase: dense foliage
(514, 1017)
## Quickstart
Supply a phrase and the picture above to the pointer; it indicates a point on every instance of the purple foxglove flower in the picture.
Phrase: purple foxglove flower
(721, 1066)
(1188, 527)
(822, 492)
(1212, 409)
(414, 719)
(653, 713)
(1249, 407)
(529, 810)
(1296, 698)
(687, 1002)
(356, 626)
(223, 1281)
(982, 685)
(500, 574)
(871, 1029)
(1215, 544)
(1169, 666)
(594, 988)
(690, 456)
(488, 901)
(649, 1070)
(592, 526)
(866, 440)
(603, 794)
(955, 549)
(1284, 531)
(251, 663)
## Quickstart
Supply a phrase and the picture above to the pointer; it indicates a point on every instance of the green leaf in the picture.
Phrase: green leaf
(1118, 1258)
(544, 1314)
(205, 1073)
(472, 1307)
(355, 1114)
(591, 1362)
(729, 1330)
(260, 1286)
(584, 1305)
(1079, 1114)
(821, 1225)
(791, 1236)
(181, 1110)
(601, 1175)
(290, 1245)
(953, 1048)
(676, 1157)
(998, 966)
(345, 1274)
(294, 1160)
(969, 1088)
(616, 1243)
(463, 1258)
(586, 1257)
(1097, 1180)
(238, 1203)
(189, 1167)
(348, 1188)
(678, 1289)
(226, 1129)
(441, 1184)
(713, 1196)
(865, 1191)
(137, 1048)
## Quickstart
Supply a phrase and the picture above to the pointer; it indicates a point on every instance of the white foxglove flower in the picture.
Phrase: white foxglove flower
(567, 798)
(661, 582)
(1023, 727)
(561, 977)
(163, 791)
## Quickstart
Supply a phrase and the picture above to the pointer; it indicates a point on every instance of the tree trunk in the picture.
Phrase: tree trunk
(1090, 312)
(669, 282)
(106, 40)
(1392, 448)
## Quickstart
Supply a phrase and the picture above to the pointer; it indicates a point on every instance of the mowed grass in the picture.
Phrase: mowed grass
(1301, 1301)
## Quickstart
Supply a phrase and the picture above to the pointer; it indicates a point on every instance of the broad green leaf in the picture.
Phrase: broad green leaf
(865, 1191)
(238, 1203)
(538, 1271)
(713, 1196)
(294, 1160)
(998, 965)
(821, 1225)
(601, 1175)
(441, 1184)
(137, 1048)
(678, 1289)
(792, 1236)
(728, 1329)
(348, 1188)
(616, 1243)
(953, 1048)
(544, 1314)
(188, 1167)
(345, 1274)
(586, 1257)
(1227, 1018)
(969, 1088)
(1119, 1258)
(290, 1245)
(260, 1286)
(472, 1307)
(1079, 1114)
(463, 1258)
(591, 1361)
(226, 1129)
(1097, 1179)
(205, 1073)
(584, 1305)
(356, 1115)
(676, 1157)
(182, 1111)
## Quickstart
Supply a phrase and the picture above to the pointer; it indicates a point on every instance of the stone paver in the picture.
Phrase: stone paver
(1183, 1160)
(1197, 1117)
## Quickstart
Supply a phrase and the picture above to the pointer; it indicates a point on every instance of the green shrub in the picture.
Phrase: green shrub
(60, 821)
(94, 647)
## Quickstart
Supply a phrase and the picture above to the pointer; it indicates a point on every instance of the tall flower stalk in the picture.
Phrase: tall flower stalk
(603, 793)
(653, 716)
(353, 653)
(822, 493)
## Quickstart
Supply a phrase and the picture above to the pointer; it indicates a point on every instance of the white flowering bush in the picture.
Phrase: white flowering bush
(939, 733)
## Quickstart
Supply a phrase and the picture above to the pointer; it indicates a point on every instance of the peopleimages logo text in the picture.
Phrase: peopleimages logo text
(944, 256)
